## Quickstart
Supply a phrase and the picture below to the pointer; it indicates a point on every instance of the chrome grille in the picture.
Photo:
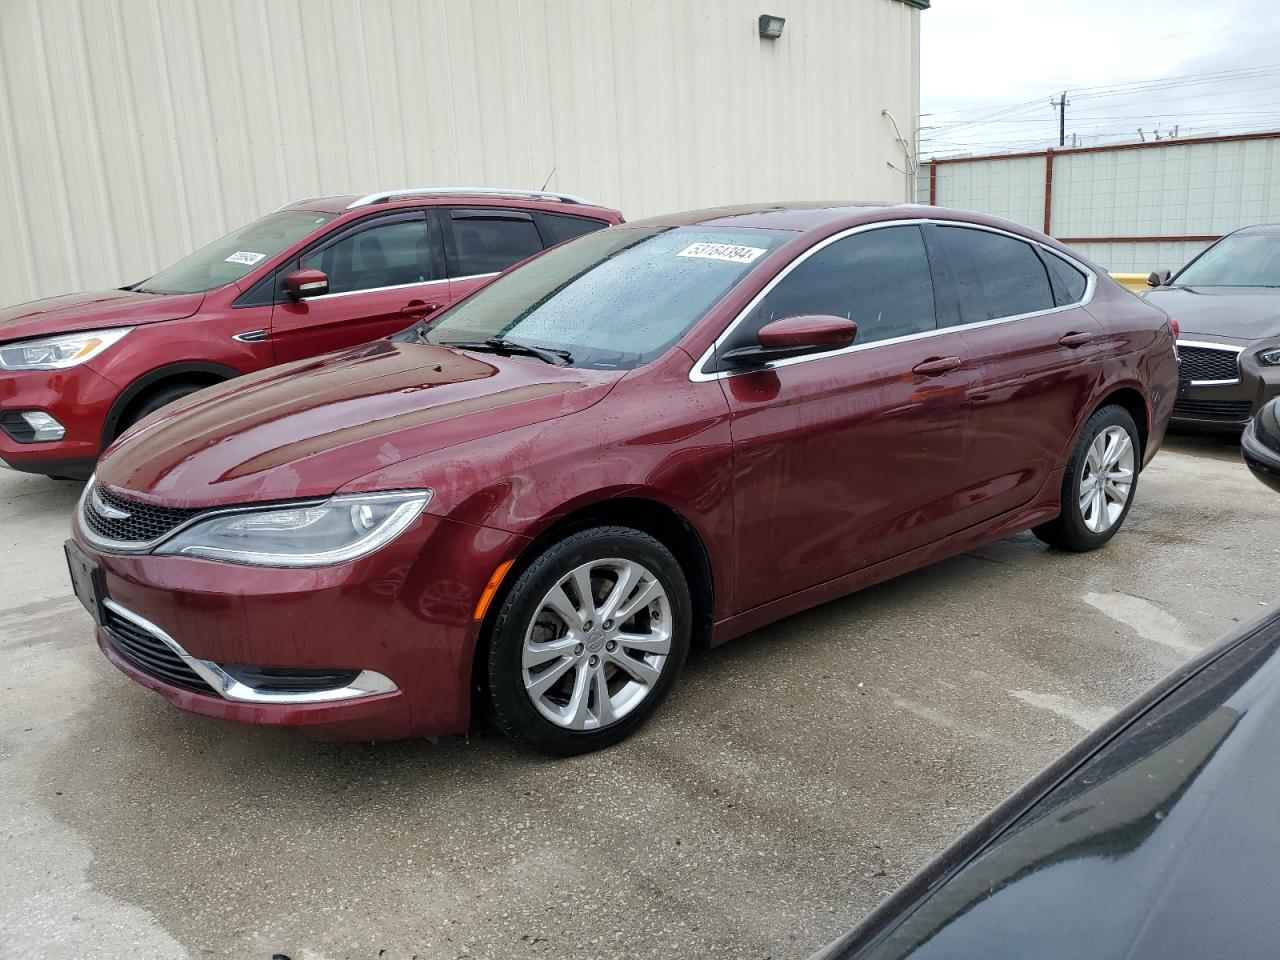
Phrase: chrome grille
(119, 520)
(1208, 363)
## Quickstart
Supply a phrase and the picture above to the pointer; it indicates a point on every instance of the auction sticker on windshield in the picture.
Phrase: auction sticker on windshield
(734, 253)
(245, 256)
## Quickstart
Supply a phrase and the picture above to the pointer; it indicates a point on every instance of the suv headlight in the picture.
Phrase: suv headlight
(1269, 357)
(54, 353)
(313, 534)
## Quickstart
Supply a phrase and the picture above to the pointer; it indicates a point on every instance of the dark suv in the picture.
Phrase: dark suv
(316, 275)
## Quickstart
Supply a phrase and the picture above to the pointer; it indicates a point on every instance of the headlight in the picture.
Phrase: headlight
(1269, 357)
(54, 353)
(306, 535)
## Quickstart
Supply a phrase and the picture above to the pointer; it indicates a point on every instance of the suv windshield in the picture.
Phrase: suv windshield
(235, 254)
(1241, 260)
(614, 299)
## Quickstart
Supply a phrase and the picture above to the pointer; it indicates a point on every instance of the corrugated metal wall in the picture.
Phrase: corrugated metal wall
(137, 130)
(1178, 190)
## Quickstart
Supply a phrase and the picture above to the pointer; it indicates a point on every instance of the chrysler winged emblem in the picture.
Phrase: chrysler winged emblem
(111, 513)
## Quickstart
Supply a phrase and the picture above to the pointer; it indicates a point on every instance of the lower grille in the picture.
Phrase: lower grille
(142, 649)
(1228, 411)
(289, 680)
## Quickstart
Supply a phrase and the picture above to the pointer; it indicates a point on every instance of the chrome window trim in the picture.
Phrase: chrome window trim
(367, 683)
(397, 286)
(698, 373)
(1213, 345)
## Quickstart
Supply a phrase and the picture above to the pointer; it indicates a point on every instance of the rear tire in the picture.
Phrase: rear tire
(1099, 484)
(150, 402)
(567, 675)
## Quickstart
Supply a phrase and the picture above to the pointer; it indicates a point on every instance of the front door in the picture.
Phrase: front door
(1038, 355)
(848, 458)
(383, 275)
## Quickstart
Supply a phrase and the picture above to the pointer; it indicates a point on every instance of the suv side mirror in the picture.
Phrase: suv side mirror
(306, 283)
(794, 337)
(1158, 278)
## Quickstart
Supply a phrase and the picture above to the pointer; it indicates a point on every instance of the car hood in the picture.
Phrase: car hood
(306, 429)
(91, 311)
(1238, 315)
(1163, 845)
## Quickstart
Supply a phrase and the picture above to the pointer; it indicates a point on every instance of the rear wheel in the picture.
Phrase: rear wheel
(588, 641)
(1100, 481)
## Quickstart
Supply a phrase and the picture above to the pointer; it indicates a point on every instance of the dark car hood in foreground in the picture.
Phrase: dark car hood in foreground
(93, 311)
(1235, 314)
(1158, 838)
(308, 428)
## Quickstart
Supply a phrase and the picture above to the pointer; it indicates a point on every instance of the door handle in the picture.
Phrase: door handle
(937, 366)
(1074, 340)
(419, 308)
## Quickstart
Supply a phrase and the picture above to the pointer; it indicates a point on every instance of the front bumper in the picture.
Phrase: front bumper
(402, 615)
(77, 398)
(1226, 407)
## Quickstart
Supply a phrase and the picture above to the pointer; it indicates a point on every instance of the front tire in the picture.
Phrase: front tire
(1099, 484)
(588, 641)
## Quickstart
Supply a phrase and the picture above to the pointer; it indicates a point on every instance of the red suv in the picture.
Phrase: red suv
(659, 434)
(76, 371)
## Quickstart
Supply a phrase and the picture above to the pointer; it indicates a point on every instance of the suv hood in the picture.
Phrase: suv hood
(91, 311)
(1235, 314)
(307, 429)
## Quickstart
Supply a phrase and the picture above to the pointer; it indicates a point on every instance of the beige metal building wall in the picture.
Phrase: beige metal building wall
(136, 130)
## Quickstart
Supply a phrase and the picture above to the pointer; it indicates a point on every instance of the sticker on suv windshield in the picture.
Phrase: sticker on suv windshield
(734, 253)
(245, 256)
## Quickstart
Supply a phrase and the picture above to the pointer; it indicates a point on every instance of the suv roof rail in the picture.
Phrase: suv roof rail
(383, 196)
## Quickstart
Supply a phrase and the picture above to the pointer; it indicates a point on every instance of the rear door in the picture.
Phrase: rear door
(481, 242)
(846, 458)
(384, 273)
(1038, 353)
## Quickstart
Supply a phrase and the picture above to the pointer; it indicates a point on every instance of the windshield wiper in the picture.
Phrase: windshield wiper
(501, 345)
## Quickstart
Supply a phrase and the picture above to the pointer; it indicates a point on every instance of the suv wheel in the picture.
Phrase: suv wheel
(588, 640)
(1100, 481)
(150, 402)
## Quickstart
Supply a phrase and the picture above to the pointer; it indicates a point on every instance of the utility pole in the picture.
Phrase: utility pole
(1061, 105)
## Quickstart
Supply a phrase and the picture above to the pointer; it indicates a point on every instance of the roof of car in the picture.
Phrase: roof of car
(817, 215)
(431, 195)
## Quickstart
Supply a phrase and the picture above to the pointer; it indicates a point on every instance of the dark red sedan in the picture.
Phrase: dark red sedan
(660, 434)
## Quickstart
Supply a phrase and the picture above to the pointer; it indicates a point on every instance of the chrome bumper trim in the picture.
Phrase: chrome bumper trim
(367, 684)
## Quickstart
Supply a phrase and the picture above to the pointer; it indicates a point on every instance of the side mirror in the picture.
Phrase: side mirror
(1260, 444)
(306, 283)
(794, 337)
(1158, 278)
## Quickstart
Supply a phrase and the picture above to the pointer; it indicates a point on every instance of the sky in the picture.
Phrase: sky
(990, 67)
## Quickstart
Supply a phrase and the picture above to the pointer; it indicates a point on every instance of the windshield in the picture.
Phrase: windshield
(235, 254)
(614, 299)
(1241, 260)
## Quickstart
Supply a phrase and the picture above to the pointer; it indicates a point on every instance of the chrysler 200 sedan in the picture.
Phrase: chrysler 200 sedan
(655, 435)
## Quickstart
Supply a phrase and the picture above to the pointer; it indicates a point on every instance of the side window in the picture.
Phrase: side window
(385, 255)
(559, 227)
(995, 275)
(878, 279)
(1069, 284)
(489, 243)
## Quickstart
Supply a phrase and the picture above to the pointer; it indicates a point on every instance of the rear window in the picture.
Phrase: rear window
(559, 227)
(1069, 284)
(995, 275)
(490, 244)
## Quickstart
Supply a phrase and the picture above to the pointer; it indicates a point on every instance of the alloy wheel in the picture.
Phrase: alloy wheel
(1106, 479)
(597, 644)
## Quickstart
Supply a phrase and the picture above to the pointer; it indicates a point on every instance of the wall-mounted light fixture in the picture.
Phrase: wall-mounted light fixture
(771, 26)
